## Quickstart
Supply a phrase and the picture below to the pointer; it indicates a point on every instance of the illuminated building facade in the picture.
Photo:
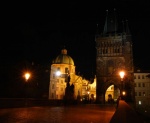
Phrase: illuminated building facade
(64, 64)
(142, 88)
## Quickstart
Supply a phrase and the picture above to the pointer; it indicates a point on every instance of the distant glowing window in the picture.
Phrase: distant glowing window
(140, 102)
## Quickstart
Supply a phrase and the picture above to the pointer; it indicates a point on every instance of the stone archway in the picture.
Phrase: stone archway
(111, 92)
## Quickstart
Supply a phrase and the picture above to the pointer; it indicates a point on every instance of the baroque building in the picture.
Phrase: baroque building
(114, 54)
(62, 72)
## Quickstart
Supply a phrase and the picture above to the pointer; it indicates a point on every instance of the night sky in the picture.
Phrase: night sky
(37, 32)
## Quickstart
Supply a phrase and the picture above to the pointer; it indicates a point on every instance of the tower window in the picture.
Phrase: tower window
(118, 50)
(103, 51)
(106, 51)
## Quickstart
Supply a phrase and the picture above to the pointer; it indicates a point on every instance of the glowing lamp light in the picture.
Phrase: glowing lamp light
(27, 76)
(122, 73)
(58, 73)
(124, 93)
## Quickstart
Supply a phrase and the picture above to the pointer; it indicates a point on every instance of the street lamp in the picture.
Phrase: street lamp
(27, 76)
(58, 73)
(122, 74)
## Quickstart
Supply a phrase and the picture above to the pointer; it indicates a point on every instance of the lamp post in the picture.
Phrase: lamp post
(88, 96)
(27, 76)
(122, 74)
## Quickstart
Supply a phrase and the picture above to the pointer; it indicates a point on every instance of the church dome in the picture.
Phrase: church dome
(63, 58)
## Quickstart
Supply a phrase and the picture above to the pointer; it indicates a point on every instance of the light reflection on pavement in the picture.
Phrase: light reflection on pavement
(70, 114)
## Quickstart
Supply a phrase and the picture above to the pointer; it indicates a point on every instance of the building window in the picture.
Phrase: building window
(139, 93)
(143, 93)
(66, 70)
(106, 51)
(138, 76)
(61, 81)
(143, 77)
(53, 86)
(103, 51)
(118, 50)
(140, 102)
(53, 76)
(143, 84)
(139, 84)
(58, 69)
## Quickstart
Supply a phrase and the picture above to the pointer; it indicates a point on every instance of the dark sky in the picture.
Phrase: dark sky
(39, 31)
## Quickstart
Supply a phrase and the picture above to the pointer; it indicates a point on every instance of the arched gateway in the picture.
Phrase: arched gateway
(114, 54)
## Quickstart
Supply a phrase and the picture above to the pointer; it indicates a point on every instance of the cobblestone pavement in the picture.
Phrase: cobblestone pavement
(61, 114)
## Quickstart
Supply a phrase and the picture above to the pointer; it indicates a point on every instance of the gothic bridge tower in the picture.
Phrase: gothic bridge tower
(114, 54)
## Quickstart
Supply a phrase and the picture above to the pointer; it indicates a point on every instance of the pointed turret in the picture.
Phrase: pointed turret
(127, 28)
(110, 23)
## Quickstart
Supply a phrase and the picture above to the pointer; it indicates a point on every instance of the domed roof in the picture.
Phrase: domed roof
(63, 58)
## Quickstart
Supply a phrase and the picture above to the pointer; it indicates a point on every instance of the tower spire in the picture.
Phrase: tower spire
(123, 26)
(106, 23)
(115, 20)
(127, 28)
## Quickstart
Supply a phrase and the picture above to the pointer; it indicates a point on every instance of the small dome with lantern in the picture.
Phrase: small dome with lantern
(63, 58)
